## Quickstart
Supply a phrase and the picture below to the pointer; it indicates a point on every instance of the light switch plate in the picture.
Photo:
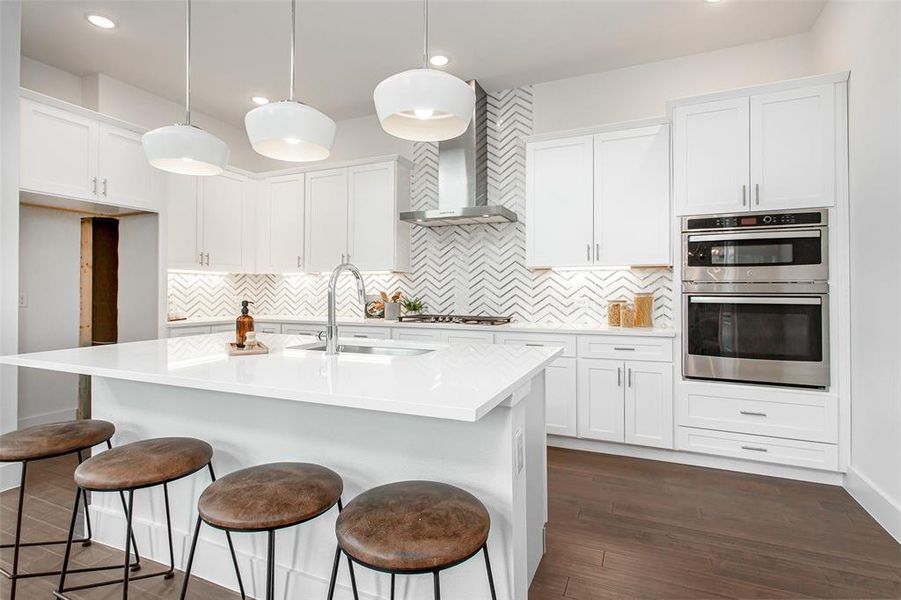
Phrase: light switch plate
(519, 452)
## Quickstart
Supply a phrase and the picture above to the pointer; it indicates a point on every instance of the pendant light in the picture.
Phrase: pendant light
(424, 105)
(289, 130)
(184, 148)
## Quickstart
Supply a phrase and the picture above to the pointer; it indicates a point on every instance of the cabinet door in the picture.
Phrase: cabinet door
(326, 220)
(601, 399)
(631, 197)
(58, 152)
(184, 225)
(793, 149)
(649, 404)
(280, 225)
(373, 216)
(222, 221)
(561, 397)
(710, 157)
(559, 202)
(125, 176)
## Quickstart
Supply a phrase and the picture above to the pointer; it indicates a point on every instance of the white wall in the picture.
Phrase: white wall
(139, 296)
(864, 37)
(49, 261)
(10, 23)
(641, 91)
(49, 80)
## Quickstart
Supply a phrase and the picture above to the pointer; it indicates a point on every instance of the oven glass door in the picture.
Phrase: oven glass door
(757, 249)
(758, 328)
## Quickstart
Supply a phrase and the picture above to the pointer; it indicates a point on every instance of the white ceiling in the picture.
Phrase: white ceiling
(345, 48)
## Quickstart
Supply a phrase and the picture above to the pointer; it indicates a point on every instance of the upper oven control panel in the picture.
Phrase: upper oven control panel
(745, 220)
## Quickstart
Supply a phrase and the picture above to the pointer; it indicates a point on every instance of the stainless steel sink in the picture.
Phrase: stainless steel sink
(352, 349)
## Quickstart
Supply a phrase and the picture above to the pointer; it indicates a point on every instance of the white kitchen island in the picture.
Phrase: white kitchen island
(471, 415)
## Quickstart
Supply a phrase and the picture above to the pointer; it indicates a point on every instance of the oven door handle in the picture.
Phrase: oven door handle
(755, 300)
(757, 235)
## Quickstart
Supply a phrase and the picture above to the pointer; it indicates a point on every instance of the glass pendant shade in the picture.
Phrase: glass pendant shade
(424, 105)
(291, 131)
(185, 149)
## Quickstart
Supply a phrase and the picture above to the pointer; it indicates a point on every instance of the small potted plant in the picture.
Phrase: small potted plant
(413, 306)
(392, 305)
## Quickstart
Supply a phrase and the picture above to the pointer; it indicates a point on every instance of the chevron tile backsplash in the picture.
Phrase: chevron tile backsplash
(470, 269)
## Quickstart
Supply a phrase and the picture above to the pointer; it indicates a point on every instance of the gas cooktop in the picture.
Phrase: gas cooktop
(456, 319)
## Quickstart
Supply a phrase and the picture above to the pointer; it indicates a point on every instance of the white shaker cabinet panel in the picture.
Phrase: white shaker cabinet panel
(649, 404)
(560, 202)
(372, 216)
(366, 333)
(404, 334)
(710, 157)
(58, 152)
(326, 219)
(280, 225)
(125, 176)
(455, 336)
(793, 148)
(601, 400)
(184, 225)
(223, 223)
(631, 191)
(561, 395)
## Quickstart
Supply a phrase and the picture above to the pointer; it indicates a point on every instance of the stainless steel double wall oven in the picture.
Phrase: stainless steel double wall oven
(755, 298)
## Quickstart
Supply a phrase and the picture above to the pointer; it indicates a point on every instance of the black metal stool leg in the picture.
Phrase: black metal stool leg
(231, 545)
(437, 586)
(128, 536)
(270, 567)
(20, 506)
(87, 513)
(171, 572)
(134, 543)
(488, 568)
(350, 563)
(184, 585)
(392, 586)
(62, 573)
(334, 578)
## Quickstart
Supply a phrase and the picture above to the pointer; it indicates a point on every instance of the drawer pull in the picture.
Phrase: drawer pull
(619, 348)
(754, 448)
(539, 345)
(360, 335)
(752, 413)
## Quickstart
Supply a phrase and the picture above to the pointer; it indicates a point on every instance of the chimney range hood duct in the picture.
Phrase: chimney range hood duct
(463, 177)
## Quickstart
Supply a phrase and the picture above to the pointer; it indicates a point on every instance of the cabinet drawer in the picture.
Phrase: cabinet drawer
(619, 347)
(370, 333)
(222, 328)
(452, 336)
(416, 335)
(267, 327)
(797, 416)
(288, 329)
(175, 332)
(812, 455)
(568, 343)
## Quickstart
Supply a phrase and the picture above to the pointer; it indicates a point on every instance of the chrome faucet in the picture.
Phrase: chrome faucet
(331, 331)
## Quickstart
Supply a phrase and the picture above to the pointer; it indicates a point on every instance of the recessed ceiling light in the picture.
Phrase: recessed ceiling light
(261, 100)
(100, 21)
(439, 60)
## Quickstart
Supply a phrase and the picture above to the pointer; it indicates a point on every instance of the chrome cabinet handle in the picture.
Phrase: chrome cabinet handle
(757, 193)
(752, 413)
(201, 258)
(538, 345)
(597, 251)
(588, 252)
(360, 335)
(754, 448)
(619, 376)
(630, 376)
(623, 348)
(744, 194)
(298, 262)
(207, 259)
(95, 186)
(104, 186)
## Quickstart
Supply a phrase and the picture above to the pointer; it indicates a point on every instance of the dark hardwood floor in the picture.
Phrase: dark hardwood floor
(618, 528)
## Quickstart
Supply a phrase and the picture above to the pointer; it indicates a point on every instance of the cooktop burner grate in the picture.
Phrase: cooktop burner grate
(457, 319)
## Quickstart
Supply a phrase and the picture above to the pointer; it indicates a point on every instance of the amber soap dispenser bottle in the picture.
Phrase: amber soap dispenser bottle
(243, 324)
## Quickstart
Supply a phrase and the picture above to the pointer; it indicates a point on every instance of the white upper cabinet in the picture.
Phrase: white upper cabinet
(793, 148)
(184, 225)
(631, 197)
(710, 157)
(71, 155)
(377, 239)
(760, 150)
(326, 219)
(223, 226)
(560, 202)
(280, 225)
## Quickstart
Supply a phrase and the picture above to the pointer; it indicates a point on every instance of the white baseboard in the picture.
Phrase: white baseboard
(875, 501)
(55, 416)
(697, 460)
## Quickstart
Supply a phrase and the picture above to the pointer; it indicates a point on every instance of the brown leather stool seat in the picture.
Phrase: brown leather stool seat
(142, 464)
(271, 496)
(53, 439)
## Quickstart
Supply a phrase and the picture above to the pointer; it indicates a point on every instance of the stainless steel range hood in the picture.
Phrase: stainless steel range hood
(463, 177)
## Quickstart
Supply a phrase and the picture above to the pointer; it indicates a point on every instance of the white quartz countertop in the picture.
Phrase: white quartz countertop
(515, 327)
(460, 382)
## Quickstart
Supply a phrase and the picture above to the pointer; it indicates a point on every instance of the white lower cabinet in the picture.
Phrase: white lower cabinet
(416, 335)
(797, 453)
(293, 329)
(371, 333)
(222, 328)
(267, 327)
(175, 332)
(626, 401)
(561, 391)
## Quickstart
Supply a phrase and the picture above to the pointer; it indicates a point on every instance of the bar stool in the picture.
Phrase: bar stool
(413, 527)
(267, 498)
(42, 442)
(133, 467)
